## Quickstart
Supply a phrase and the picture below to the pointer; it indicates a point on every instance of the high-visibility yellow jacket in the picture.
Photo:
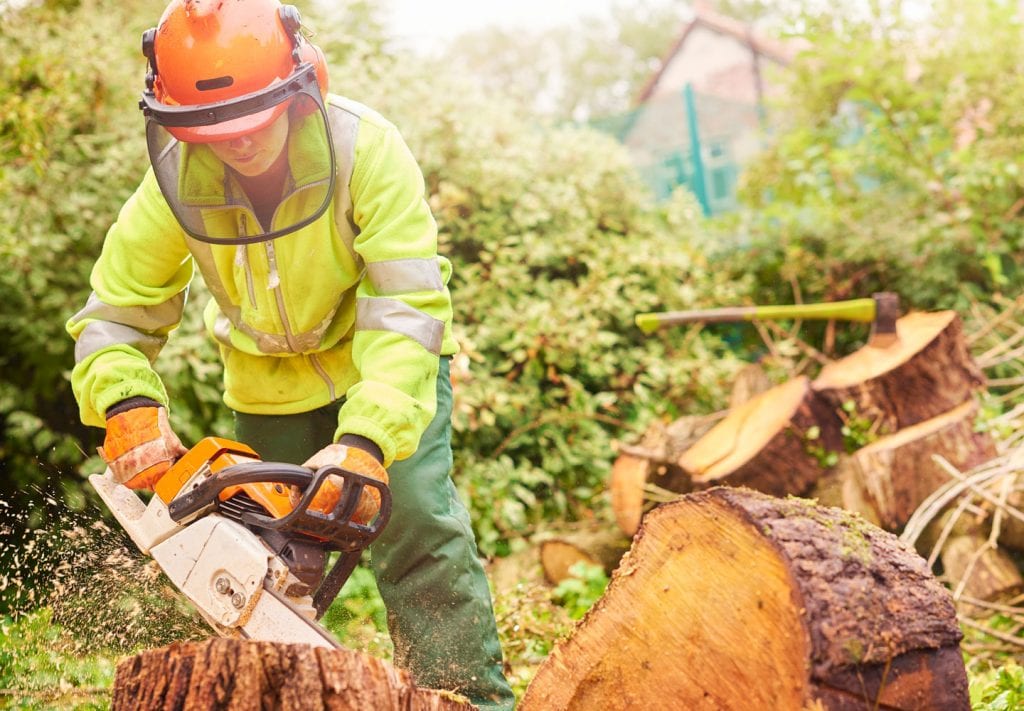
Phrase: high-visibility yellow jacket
(353, 305)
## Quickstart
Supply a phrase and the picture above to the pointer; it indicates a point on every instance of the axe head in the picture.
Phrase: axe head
(887, 311)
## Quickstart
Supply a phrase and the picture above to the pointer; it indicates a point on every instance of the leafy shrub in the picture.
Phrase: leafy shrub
(555, 241)
(900, 166)
(556, 245)
(998, 689)
(584, 586)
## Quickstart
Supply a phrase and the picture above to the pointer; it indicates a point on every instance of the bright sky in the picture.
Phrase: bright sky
(428, 24)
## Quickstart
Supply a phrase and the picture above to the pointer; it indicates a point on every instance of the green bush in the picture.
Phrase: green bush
(899, 168)
(557, 245)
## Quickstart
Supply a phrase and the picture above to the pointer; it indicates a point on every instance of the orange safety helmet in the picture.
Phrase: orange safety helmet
(212, 51)
(220, 70)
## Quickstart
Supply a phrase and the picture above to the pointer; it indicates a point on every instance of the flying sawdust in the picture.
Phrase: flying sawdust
(104, 595)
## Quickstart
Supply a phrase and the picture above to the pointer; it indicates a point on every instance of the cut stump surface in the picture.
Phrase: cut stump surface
(767, 443)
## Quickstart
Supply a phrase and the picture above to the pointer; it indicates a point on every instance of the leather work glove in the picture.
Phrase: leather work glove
(364, 459)
(140, 445)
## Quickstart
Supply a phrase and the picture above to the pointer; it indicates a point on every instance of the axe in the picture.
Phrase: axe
(881, 310)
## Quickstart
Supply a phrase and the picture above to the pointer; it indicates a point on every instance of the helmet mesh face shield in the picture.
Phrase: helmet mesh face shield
(208, 157)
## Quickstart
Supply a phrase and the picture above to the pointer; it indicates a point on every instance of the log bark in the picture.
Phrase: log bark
(925, 372)
(772, 443)
(242, 674)
(559, 552)
(898, 472)
(730, 599)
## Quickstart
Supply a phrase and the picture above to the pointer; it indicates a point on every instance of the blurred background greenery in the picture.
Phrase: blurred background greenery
(894, 162)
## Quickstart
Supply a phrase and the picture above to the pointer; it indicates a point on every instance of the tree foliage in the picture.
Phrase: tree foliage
(900, 167)
(555, 240)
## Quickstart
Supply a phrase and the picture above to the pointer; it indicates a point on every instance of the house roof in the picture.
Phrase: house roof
(774, 50)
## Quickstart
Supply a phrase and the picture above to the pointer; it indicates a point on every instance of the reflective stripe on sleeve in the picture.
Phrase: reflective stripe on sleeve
(401, 276)
(144, 318)
(101, 334)
(379, 314)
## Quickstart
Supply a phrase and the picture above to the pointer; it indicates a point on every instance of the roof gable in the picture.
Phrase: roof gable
(772, 50)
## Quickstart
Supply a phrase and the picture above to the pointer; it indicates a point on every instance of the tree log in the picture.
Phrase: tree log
(974, 568)
(242, 674)
(970, 565)
(559, 552)
(898, 473)
(628, 478)
(1011, 529)
(841, 487)
(926, 371)
(750, 382)
(730, 599)
(653, 461)
(768, 443)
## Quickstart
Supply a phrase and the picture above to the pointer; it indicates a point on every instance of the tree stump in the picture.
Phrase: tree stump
(241, 674)
(773, 443)
(926, 371)
(730, 599)
(559, 552)
(898, 473)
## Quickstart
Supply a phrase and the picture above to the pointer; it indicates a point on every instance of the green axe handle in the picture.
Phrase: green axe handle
(853, 310)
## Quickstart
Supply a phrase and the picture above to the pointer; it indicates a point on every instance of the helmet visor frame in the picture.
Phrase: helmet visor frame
(228, 112)
(165, 144)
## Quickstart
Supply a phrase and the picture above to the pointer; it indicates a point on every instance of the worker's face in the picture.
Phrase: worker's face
(253, 154)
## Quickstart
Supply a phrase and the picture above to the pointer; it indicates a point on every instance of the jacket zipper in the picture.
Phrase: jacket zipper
(242, 255)
(275, 282)
(323, 374)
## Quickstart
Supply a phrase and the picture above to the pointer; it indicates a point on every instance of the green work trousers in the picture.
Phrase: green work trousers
(425, 561)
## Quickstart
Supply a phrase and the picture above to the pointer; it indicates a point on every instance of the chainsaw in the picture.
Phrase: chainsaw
(222, 526)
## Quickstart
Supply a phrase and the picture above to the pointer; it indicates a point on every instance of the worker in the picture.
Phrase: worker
(305, 214)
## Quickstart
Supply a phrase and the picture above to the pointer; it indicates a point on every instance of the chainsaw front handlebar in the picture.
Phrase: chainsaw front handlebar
(336, 528)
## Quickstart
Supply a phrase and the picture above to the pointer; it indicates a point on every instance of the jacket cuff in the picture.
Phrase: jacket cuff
(364, 443)
(368, 429)
(130, 404)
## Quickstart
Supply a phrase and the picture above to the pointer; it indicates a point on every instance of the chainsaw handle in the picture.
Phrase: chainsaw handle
(207, 493)
(336, 528)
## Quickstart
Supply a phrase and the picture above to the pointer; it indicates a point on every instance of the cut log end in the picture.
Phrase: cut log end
(768, 443)
(628, 477)
(927, 371)
(732, 599)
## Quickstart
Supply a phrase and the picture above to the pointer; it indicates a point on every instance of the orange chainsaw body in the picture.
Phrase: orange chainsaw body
(219, 453)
